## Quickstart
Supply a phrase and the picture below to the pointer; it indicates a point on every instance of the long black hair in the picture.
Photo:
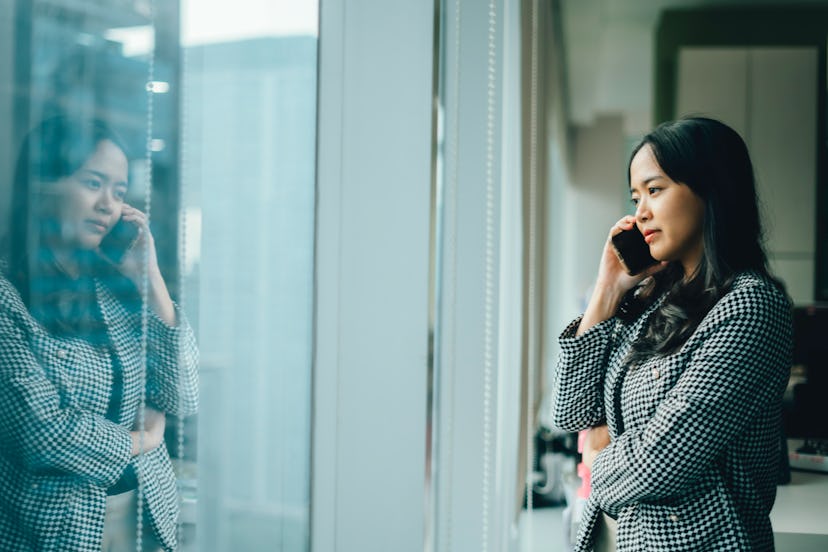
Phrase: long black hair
(713, 161)
(55, 149)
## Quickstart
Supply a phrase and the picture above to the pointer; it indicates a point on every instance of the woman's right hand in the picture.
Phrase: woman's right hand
(612, 274)
(596, 439)
(613, 280)
(153, 435)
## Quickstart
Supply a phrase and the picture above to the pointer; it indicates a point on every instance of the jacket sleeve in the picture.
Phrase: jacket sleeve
(172, 365)
(578, 382)
(738, 367)
(41, 432)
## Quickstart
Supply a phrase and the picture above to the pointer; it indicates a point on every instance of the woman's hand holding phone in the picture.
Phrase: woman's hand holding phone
(142, 249)
(613, 280)
(612, 274)
(132, 265)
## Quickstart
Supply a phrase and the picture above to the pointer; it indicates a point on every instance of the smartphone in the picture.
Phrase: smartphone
(118, 241)
(633, 250)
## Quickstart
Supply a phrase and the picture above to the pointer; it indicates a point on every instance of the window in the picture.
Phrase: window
(207, 112)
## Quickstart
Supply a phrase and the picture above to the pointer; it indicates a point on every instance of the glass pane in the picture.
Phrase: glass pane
(98, 363)
(248, 161)
(194, 124)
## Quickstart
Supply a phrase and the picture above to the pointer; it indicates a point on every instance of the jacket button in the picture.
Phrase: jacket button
(656, 373)
(61, 353)
(673, 517)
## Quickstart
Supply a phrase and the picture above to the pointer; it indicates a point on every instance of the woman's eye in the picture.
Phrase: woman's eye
(634, 200)
(92, 184)
(653, 190)
(120, 194)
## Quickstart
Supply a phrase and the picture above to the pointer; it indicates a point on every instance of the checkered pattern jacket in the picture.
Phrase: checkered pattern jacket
(58, 451)
(695, 467)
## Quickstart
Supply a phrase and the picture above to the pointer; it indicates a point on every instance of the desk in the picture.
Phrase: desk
(798, 518)
(801, 505)
(799, 513)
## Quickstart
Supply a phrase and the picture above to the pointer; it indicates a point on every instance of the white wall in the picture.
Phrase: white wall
(510, 326)
(479, 320)
(769, 95)
(782, 141)
(372, 267)
(609, 60)
(587, 196)
(598, 194)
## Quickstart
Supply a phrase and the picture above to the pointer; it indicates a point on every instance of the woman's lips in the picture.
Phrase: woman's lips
(649, 235)
(97, 226)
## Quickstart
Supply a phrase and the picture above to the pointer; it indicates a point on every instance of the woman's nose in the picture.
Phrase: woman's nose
(642, 210)
(105, 201)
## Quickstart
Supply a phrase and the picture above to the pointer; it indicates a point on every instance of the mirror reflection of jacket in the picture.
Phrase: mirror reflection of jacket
(59, 452)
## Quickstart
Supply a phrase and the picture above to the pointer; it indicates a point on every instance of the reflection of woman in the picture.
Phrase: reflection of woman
(72, 376)
(681, 375)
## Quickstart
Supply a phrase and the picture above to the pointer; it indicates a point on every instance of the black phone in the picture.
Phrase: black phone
(118, 241)
(633, 250)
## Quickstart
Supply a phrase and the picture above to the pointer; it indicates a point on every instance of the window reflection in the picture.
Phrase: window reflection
(94, 354)
(98, 365)
(250, 146)
(207, 145)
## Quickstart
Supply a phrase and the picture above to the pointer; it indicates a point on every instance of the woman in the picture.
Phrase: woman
(680, 370)
(76, 368)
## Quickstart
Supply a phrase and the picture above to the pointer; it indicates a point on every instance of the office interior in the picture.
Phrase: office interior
(379, 215)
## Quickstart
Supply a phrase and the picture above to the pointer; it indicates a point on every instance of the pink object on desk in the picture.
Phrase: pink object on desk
(583, 471)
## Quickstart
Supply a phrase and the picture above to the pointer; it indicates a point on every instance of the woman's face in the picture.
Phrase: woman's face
(668, 213)
(88, 202)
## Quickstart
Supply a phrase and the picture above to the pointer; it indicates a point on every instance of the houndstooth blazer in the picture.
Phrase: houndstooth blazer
(695, 467)
(58, 451)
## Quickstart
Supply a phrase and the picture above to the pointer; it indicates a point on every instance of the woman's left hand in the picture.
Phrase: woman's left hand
(597, 438)
(143, 250)
(132, 266)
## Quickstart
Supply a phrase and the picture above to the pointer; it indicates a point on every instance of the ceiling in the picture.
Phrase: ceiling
(609, 55)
